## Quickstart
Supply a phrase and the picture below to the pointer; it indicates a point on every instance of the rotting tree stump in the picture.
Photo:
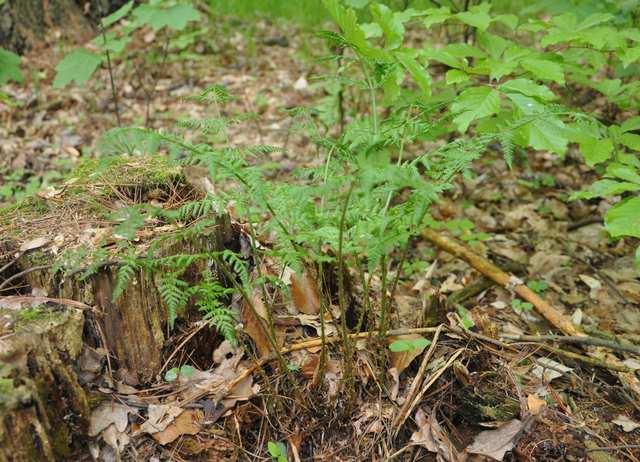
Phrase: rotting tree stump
(45, 415)
(43, 409)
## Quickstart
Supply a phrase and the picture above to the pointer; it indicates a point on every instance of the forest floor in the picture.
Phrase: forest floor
(559, 409)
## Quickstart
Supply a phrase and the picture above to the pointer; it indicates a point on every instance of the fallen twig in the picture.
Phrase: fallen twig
(583, 340)
(551, 314)
(405, 410)
(544, 308)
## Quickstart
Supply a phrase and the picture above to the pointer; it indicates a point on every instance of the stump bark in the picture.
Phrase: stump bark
(24, 24)
(43, 409)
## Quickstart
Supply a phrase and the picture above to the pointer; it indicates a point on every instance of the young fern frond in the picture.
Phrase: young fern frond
(126, 273)
(210, 297)
(175, 295)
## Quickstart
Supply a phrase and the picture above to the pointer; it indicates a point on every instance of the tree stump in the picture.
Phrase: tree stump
(43, 409)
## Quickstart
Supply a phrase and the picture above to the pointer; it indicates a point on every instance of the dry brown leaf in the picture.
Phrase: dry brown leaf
(431, 436)
(159, 418)
(535, 404)
(252, 325)
(304, 292)
(626, 423)
(34, 244)
(496, 443)
(107, 414)
(187, 423)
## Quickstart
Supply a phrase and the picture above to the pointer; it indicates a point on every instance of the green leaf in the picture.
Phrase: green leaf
(605, 188)
(631, 140)
(630, 55)
(544, 69)
(477, 16)
(436, 16)
(466, 321)
(356, 3)
(509, 20)
(117, 15)
(418, 73)
(529, 88)
(596, 151)
(548, 134)
(631, 124)
(355, 36)
(623, 219)
(474, 103)
(409, 344)
(187, 371)
(9, 67)
(454, 76)
(391, 26)
(78, 65)
(624, 172)
(174, 17)
(172, 374)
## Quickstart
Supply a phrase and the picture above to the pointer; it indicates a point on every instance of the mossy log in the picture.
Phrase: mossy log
(43, 409)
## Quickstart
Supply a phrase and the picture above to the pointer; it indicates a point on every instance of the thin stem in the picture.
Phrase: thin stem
(113, 85)
(341, 291)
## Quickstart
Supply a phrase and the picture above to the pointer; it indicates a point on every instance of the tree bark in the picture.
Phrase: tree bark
(26, 24)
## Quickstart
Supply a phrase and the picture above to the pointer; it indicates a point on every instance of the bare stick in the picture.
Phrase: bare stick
(544, 308)
(113, 85)
(415, 385)
(582, 340)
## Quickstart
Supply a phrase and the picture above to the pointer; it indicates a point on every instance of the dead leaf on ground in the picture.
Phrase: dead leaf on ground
(107, 414)
(547, 369)
(252, 325)
(496, 443)
(34, 244)
(626, 423)
(187, 423)
(159, 417)
(431, 436)
(535, 404)
(304, 292)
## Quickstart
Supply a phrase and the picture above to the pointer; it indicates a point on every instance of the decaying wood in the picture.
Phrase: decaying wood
(44, 411)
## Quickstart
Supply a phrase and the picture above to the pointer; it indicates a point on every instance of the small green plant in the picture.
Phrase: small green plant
(409, 344)
(9, 67)
(277, 451)
(174, 373)
(168, 18)
(538, 286)
(520, 305)
(466, 321)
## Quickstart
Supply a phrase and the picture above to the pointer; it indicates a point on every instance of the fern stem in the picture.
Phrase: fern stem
(342, 295)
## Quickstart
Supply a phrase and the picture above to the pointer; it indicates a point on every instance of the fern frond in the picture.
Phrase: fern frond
(126, 272)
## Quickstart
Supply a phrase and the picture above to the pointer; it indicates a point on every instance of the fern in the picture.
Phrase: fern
(175, 295)
(125, 274)
(210, 296)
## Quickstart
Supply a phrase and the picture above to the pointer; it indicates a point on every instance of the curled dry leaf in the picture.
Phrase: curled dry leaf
(304, 292)
(535, 404)
(188, 422)
(626, 423)
(496, 443)
(107, 414)
(252, 325)
(34, 244)
(160, 416)
(431, 436)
